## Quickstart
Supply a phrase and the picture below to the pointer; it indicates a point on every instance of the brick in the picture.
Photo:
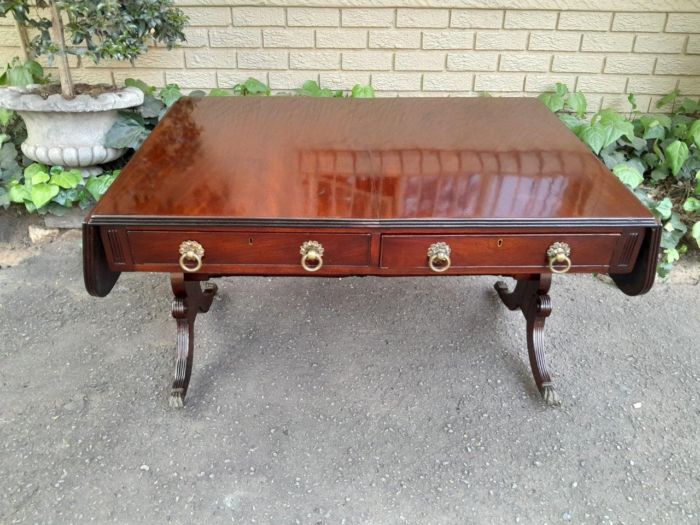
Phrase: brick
(529, 62)
(682, 65)
(152, 78)
(530, 20)
(477, 18)
(288, 37)
(689, 86)
(94, 75)
(289, 79)
(235, 37)
(374, 17)
(262, 59)
(621, 104)
(607, 42)
(651, 85)
(447, 82)
(501, 40)
(584, 20)
(639, 22)
(577, 64)
(397, 81)
(156, 58)
(196, 37)
(683, 23)
(313, 17)
(258, 16)
(211, 58)
(419, 61)
(229, 78)
(422, 18)
(547, 82)
(555, 41)
(208, 16)
(9, 37)
(601, 84)
(343, 80)
(693, 46)
(641, 65)
(191, 79)
(472, 61)
(448, 40)
(397, 39)
(314, 60)
(341, 38)
(367, 60)
(660, 43)
(499, 82)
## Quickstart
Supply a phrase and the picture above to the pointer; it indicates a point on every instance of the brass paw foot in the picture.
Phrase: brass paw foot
(550, 396)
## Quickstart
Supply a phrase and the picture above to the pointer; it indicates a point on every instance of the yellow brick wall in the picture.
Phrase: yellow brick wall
(428, 47)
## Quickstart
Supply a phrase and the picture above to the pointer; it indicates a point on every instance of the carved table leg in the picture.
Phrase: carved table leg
(531, 296)
(190, 299)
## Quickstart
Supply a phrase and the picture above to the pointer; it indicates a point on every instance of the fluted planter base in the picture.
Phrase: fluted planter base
(69, 133)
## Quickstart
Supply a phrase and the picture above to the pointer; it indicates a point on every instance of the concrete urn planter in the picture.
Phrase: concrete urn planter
(69, 133)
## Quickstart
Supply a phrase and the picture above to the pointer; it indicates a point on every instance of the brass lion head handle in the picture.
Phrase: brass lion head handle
(439, 257)
(311, 256)
(559, 253)
(191, 252)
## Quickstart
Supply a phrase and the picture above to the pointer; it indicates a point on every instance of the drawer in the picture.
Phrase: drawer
(526, 252)
(226, 248)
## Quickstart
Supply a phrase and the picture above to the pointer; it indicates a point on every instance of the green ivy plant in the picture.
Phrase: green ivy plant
(118, 30)
(42, 189)
(657, 156)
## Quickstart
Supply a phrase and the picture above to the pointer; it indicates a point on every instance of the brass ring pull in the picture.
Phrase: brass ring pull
(559, 253)
(191, 251)
(439, 257)
(311, 256)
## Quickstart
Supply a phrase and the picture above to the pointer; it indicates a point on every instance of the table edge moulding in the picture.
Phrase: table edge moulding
(379, 187)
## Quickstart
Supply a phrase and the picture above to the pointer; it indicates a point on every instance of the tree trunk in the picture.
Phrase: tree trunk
(67, 88)
(23, 40)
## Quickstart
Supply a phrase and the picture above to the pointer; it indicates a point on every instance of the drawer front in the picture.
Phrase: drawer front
(223, 248)
(527, 251)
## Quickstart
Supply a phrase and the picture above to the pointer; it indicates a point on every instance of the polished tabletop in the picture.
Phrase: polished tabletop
(366, 160)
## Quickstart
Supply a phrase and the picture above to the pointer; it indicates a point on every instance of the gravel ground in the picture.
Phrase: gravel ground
(356, 401)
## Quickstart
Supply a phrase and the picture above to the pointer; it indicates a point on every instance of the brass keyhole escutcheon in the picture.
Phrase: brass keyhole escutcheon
(499, 243)
(191, 252)
(439, 257)
(311, 256)
(559, 253)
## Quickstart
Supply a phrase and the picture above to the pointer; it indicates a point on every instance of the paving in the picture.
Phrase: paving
(344, 401)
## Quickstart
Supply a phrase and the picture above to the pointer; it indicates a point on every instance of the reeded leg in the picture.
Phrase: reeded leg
(531, 296)
(190, 299)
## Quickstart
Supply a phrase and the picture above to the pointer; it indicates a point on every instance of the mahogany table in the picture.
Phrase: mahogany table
(293, 186)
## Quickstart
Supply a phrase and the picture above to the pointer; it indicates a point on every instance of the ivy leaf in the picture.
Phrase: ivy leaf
(633, 101)
(5, 116)
(695, 232)
(220, 92)
(151, 107)
(128, 132)
(360, 91)
(38, 178)
(18, 193)
(593, 136)
(553, 101)
(35, 168)
(664, 208)
(668, 99)
(4, 198)
(691, 205)
(577, 103)
(67, 179)
(694, 132)
(42, 193)
(98, 185)
(147, 90)
(676, 155)
(628, 175)
(252, 86)
(170, 94)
